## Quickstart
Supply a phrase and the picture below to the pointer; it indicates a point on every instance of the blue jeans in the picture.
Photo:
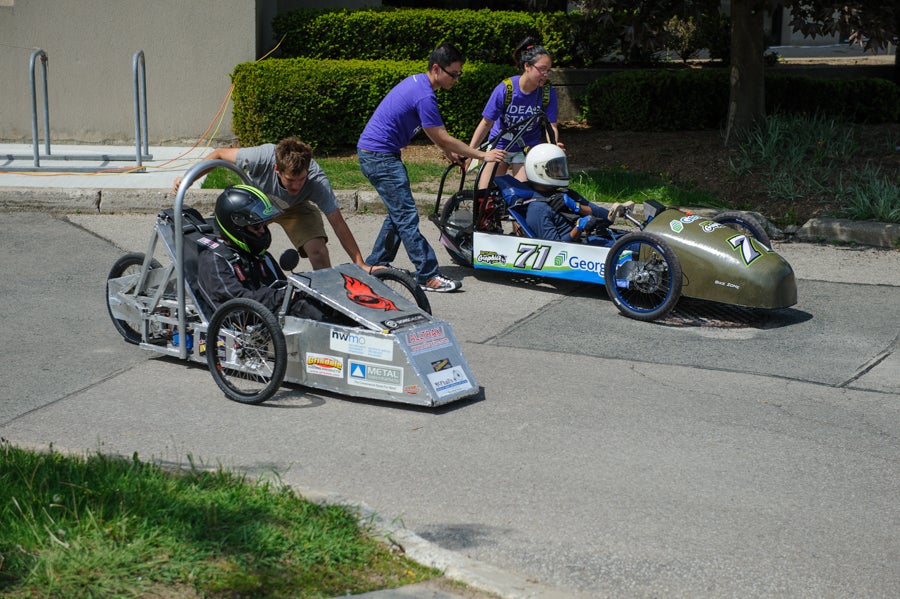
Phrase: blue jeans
(387, 174)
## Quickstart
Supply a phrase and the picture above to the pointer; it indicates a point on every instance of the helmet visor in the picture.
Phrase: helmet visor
(255, 213)
(557, 168)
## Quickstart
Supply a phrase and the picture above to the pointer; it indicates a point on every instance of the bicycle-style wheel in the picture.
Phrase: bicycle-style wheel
(246, 351)
(456, 219)
(128, 265)
(744, 223)
(643, 276)
(405, 285)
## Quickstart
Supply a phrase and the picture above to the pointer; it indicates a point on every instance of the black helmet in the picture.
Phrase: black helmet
(241, 205)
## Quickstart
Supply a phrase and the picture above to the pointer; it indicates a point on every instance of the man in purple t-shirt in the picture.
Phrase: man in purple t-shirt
(409, 107)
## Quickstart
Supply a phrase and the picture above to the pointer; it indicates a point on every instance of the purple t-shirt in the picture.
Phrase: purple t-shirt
(521, 106)
(404, 111)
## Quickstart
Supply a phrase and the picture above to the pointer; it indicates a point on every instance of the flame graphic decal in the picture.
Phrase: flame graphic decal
(362, 294)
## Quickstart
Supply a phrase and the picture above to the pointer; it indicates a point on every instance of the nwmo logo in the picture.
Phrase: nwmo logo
(347, 337)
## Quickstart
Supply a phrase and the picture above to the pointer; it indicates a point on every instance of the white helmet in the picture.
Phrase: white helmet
(545, 164)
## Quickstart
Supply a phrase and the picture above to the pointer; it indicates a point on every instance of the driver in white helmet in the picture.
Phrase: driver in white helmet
(557, 212)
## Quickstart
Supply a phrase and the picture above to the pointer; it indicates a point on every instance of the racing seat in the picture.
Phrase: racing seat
(198, 232)
(517, 196)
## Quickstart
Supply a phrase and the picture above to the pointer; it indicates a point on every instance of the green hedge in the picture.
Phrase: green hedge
(655, 100)
(573, 39)
(328, 102)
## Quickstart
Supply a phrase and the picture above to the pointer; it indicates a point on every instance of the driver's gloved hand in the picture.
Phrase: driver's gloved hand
(587, 223)
(618, 210)
(561, 201)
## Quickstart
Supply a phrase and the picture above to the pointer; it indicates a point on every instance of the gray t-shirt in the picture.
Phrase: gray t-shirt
(259, 163)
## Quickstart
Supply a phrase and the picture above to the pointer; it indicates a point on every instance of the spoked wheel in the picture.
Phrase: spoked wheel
(744, 223)
(247, 352)
(456, 218)
(129, 264)
(405, 285)
(643, 276)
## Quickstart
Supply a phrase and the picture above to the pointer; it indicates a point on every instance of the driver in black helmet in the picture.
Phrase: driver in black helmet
(238, 263)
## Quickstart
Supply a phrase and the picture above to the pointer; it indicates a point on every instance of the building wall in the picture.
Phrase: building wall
(190, 50)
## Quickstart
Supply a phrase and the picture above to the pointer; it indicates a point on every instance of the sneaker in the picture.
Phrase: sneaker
(441, 284)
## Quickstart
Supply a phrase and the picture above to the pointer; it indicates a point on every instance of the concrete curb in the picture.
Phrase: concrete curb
(94, 200)
(885, 235)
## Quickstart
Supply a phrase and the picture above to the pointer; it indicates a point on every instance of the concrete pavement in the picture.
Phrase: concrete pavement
(607, 457)
(446, 546)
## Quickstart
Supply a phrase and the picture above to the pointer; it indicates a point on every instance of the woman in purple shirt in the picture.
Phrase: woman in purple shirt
(515, 100)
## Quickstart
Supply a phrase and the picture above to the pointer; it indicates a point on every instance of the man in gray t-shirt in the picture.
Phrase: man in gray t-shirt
(287, 173)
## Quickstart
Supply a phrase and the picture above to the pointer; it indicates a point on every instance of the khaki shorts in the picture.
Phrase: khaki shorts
(302, 222)
(515, 158)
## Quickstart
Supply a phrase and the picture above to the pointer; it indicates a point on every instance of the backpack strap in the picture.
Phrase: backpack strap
(545, 94)
(509, 92)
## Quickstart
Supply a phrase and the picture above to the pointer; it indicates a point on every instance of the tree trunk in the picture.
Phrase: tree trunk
(746, 104)
(897, 48)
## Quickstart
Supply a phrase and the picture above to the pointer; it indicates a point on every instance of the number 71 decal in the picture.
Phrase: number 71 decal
(526, 251)
(747, 244)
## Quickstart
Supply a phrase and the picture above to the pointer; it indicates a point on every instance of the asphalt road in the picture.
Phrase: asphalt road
(748, 456)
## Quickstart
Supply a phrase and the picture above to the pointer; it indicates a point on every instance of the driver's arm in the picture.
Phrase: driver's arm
(226, 154)
(345, 236)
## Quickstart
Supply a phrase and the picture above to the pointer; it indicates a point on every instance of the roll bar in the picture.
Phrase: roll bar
(192, 174)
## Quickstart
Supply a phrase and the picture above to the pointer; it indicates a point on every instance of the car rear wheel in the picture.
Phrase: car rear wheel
(456, 223)
(744, 223)
(404, 284)
(129, 264)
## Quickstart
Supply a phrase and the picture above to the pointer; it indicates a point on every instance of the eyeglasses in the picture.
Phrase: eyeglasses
(542, 70)
(453, 76)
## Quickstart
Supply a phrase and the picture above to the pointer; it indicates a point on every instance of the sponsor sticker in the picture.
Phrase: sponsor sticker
(449, 381)
(375, 376)
(325, 365)
(709, 226)
(489, 257)
(691, 218)
(428, 339)
(396, 323)
(441, 364)
(560, 259)
(677, 226)
(357, 344)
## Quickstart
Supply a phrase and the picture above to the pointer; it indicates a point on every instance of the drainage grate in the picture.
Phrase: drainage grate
(696, 313)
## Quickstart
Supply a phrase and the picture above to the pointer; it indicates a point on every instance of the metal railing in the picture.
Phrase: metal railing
(139, 70)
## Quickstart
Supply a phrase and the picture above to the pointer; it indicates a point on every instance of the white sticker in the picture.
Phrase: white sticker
(357, 344)
(375, 376)
(449, 381)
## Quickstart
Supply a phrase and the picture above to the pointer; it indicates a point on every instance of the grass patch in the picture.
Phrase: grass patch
(598, 185)
(820, 162)
(109, 527)
(343, 173)
(622, 185)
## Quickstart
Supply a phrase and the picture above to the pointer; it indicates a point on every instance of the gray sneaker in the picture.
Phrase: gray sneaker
(441, 284)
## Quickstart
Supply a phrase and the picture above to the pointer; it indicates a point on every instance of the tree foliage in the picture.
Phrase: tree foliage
(870, 23)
